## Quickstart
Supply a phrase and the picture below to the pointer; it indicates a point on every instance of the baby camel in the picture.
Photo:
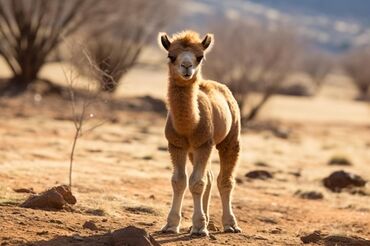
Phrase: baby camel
(202, 114)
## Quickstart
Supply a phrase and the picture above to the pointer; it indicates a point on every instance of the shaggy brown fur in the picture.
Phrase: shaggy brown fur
(202, 114)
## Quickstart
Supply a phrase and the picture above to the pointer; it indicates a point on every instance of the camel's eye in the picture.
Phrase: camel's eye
(199, 58)
(172, 58)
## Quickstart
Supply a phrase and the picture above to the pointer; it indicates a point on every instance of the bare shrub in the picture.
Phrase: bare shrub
(251, 59)
(356, 63)
(317, 66)
(31, 30)
(83, 97)
(116, 49)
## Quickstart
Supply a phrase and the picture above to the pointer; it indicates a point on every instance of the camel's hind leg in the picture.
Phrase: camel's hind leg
(207, 192)
(179, 183)
(229, 154)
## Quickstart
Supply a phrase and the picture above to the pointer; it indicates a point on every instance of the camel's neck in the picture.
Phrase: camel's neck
(183, 103)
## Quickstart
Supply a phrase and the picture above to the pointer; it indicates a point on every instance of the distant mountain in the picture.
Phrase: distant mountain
(334, 25)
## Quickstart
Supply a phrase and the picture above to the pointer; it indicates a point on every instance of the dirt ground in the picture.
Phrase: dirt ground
(122, 177)
(122, 169)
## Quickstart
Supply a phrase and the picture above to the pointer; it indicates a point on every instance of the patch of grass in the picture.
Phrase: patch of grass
(339, 160)
(142, 210)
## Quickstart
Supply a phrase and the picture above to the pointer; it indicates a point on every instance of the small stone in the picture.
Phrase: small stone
(341, 179)
(90, 225)
(54, 198)
(312, 238)
(310, 195)
(268, 220)
(238, 180)
(276, 231)
(132, 235)
(24, 190)
(162, 148)
(259, 174)
(42, 233)
(339, 161)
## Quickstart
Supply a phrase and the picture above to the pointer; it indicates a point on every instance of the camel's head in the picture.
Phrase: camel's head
(186, 51)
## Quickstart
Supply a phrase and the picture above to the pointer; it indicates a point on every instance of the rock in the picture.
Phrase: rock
(312, 238)
(54, 198)
(346, 241)
(339, 161)
(259, 174)
(42, 233)
(268, 220)
(261, 164)
(277, 230)
(133, 236)
(310, 195)
(341, 179)
(90, 225)
(238, 180)
(24, 190)
(163, 148)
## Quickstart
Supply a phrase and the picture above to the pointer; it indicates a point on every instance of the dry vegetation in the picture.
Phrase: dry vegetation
(252, 58)
(355, 64)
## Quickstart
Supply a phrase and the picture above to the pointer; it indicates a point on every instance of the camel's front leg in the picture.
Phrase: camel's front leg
(197, 185)
(179, 184)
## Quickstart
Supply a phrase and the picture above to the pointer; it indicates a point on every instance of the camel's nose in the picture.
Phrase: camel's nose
(186, 65)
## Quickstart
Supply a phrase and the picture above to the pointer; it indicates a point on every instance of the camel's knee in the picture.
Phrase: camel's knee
(179, 182)
(197, 185)
(225, 184)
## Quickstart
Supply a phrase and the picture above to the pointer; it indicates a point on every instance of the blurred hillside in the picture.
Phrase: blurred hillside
(334, 25)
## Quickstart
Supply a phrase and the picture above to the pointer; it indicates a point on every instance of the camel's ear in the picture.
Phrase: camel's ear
(207, 42)
(164, 41)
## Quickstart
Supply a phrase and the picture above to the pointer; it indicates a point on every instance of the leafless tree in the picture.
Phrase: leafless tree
(31, 29)
(134, 24)
(356, 64)
(251, 58)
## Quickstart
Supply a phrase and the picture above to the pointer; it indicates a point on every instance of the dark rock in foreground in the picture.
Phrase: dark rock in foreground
(334, 240)
(341, 179)
(54, 198)
(133, 236)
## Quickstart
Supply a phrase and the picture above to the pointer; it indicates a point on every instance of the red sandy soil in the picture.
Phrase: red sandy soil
(122, 177)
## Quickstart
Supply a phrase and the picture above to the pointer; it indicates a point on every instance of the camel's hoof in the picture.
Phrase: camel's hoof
(232, 229)
(170, 229)
(199, 232)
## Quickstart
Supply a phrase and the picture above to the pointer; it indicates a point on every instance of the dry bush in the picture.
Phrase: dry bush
(31, 29)
(116, 47)
(251, 58)
(317, 66)
(356, 64)
(84, 97)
